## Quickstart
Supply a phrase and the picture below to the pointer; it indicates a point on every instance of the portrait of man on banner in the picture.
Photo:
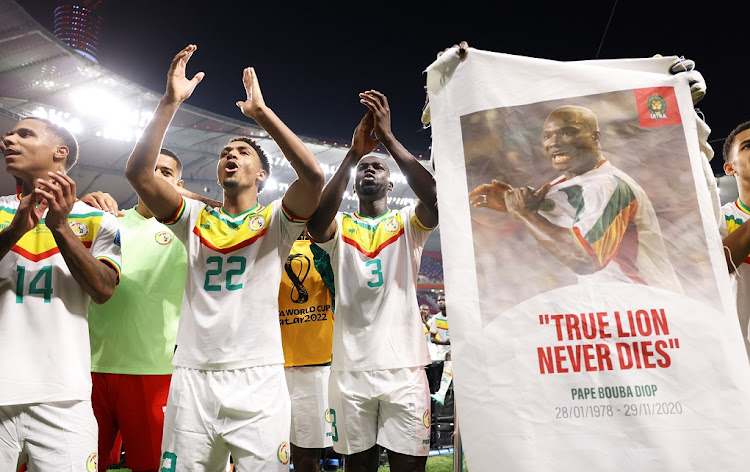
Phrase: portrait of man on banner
(573, 191)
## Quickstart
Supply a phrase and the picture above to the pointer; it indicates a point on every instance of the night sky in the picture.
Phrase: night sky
(313, 58)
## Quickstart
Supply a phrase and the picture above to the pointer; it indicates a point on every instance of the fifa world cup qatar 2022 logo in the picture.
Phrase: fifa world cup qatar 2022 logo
(297, 266)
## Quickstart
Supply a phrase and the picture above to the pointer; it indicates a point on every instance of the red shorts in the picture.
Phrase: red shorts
(133, 406)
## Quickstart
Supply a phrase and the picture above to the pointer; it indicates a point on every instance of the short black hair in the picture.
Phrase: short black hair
(177, 160)
(729, 142)
(65, 136)
(261, 155)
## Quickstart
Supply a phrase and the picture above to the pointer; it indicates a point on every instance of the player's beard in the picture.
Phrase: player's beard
(369, 190)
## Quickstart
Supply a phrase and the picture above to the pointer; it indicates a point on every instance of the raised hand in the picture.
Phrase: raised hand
(362, 142)
(378, 105)
(254, 101)
(60, 194)
(490, 196)
(179, 87)
(524, 201)
(29, 214)
(463, 49)
(695, 79)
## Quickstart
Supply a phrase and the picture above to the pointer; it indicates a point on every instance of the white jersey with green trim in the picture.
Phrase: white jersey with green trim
(612, 220)
(432, 348)
(439, 327)
(232, 286)
(736, 214)
(376, 263)
(44, 333)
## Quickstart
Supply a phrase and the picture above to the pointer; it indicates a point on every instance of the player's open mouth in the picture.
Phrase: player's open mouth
(10, 152)
(231, 167)
(560, 157)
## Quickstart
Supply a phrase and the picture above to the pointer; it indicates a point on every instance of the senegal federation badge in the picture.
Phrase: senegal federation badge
(92, 463)
(391, 225)
(283, 453)
(163, 237)
(256, 223)
(426, 419)
(79, 229)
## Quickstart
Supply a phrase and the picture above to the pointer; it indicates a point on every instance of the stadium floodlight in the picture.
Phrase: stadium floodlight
(48, 84)
(108, 115)
(108, 108)
(58, 117)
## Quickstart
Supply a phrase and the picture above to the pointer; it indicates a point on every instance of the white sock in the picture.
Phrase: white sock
(446, 378)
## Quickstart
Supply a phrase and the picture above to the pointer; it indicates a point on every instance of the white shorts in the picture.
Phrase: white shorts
(386, 407)
(308, 392)
(50, 437)
(211, 414)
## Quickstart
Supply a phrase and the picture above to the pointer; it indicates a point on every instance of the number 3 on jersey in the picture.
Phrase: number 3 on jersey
(377, 272)
(235, 267)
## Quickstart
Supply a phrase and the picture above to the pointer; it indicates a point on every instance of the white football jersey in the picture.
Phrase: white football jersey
(232, 286)
(376, 263)
(736, 214)
(614, 223)
(44, 332)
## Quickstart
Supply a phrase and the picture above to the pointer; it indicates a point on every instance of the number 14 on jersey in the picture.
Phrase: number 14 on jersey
(40, 284)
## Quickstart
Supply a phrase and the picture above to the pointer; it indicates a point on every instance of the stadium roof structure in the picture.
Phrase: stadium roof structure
(42, 76)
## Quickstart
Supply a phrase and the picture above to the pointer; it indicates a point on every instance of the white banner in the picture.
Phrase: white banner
(592, 321)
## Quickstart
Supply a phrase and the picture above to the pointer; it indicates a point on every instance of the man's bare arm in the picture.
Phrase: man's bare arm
(523, 205)
(160, 197)
(196, 196)
(435, 340)
(303, 195)
(322, 224)
(419, 179)
(26, 218)
(8, 239)
(490, 196)
(95, 277)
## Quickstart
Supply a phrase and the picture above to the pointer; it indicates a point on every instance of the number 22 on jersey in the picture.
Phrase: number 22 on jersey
(234, 266)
